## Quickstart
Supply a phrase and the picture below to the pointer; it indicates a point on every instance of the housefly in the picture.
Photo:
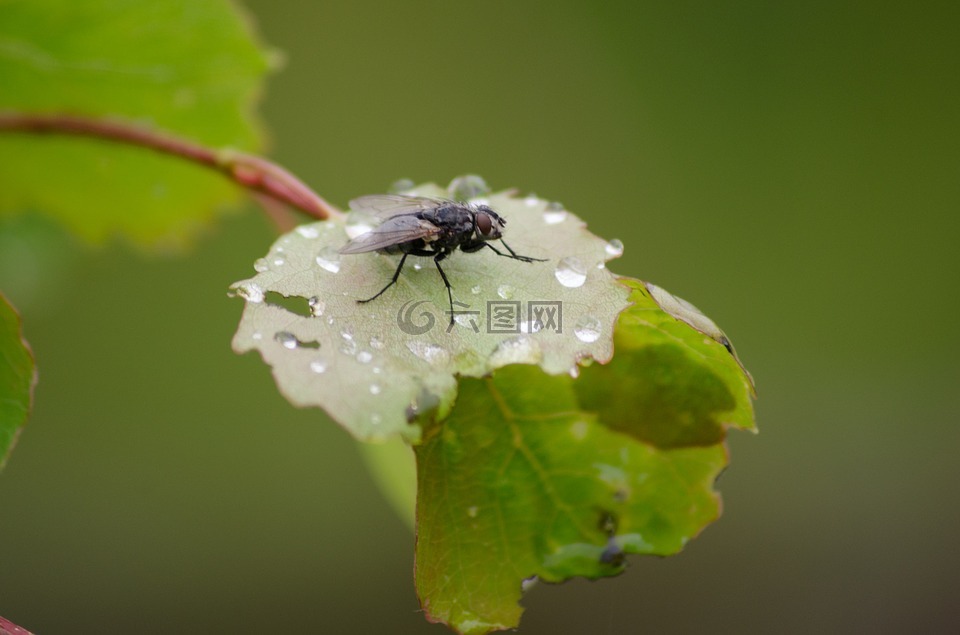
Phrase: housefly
(428, 227)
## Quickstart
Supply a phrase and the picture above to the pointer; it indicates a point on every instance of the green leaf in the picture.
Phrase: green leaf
(375, 367)
(17, 377)
(190, 67)
(553, 477)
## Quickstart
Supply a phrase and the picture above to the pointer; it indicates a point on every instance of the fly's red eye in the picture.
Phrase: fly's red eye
(484, 224)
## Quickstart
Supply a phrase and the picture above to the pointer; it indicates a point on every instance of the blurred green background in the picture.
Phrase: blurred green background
(791, 168)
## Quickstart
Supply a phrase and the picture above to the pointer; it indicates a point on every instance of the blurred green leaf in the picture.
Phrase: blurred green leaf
(17, 376)
(552, 477)
(375, 367)
(190, 67)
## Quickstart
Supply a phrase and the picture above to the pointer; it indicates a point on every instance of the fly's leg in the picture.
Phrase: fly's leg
(436, 260)
(512, 255)
(396, 274)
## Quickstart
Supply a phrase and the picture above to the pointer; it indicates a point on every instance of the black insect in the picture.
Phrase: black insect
(429, 227)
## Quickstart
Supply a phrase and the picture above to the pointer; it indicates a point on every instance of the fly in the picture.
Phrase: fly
(428, 227)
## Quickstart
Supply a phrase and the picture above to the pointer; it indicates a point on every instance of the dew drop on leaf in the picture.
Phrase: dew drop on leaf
(250, 292)
(375, 389)
(317, 306)
(431, 353)
(587, 329)
(364, 357)
(570, 272)
(329, 259)
(505, 291)
(554, 217)
(517, 350)
(286, 339)
(308, 231)
(319, 365)
(260, 265)
(531, 326)
(614, 248)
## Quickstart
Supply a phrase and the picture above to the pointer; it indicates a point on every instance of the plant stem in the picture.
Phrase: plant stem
(250, 171)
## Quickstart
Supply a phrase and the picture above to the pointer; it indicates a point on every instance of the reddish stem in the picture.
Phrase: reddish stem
(250, 171)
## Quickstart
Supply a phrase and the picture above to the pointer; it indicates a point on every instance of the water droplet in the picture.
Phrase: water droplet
(358, 229)
(347, 346)
(601, 265)
(417, 266)
(505, 291)
(475, 290)
(375, 419)
(329, 259)
(517, 350)
(570, 272)
(308, 231)
(330, 320)
(317, 306)
(587, 329)
(279, 262)
(261, 265)
(472, 511)
(377, 370)
(554, 216)
(531, 326)
(257, 335)
(432, 353)
(318, 365)
(286, 339)
(465, 319)
(376, 342)
(468, 186)
(364, 357)
(250, 292)
(401, 185)
(531, 200)
(614, 248)
(574, 371)
(375, 389)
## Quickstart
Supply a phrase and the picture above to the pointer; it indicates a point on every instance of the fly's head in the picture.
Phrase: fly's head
(487, 224)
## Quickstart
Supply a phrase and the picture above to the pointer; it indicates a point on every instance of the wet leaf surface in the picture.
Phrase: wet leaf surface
(552, 477)
(374, 367)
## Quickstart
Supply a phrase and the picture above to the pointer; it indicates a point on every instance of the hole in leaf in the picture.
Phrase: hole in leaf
(294, 303)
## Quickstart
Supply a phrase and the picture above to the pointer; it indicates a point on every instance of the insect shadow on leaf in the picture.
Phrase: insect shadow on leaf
(428, 227)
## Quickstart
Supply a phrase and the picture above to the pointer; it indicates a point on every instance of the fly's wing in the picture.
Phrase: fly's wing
(393, 231)
(389, 205)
